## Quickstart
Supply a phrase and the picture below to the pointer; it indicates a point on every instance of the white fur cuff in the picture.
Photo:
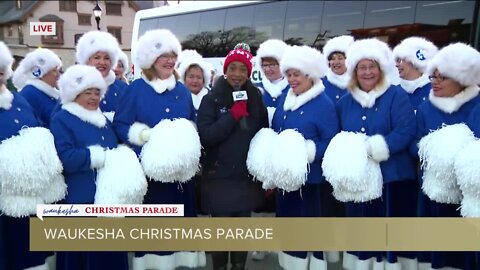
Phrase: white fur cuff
(377, 148)
(311, 150)
(97, 156)
(135, 133)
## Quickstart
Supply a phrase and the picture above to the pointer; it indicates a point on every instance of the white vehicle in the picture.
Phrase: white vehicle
(213, 28)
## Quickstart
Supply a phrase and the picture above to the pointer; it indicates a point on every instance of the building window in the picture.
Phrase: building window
(68, 5)
(20, 34)
(2, 37)
(84, 19)
(76, 37)
(113, 9)
(57, 39)
(10, 31)
(116, 32)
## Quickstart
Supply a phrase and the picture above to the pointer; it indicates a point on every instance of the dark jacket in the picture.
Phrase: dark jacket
(226, 143)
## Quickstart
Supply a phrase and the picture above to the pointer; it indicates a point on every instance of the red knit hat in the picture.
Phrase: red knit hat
(239, 55)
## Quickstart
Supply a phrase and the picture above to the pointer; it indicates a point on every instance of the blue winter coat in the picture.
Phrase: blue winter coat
(268, 99)
(316, 120)
(73, 136)
(19, 116)
(392, 117)
(40, 102)
(112, 96)
(333, 92)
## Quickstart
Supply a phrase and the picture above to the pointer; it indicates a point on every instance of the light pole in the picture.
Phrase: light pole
(97, 12)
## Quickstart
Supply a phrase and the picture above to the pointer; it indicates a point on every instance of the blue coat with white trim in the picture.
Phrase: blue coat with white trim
(392, 117)
(333, 92)
(40, 102)
(316, 120)
(141, 103)
(20, 115)
(112, 96)
(73, 136)
(268, 99)
(473, 121)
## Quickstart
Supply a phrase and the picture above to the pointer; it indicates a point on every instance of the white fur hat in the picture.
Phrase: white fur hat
(35, 65)
(417, 51)
(459, 62)
(122, 57)
(372, 49)
(79, 78)
(154, 43)
(337, 44)
(190, 59)
(306, 59)
(6, 60)
(96, 41)
(187, 54)
(271, 48)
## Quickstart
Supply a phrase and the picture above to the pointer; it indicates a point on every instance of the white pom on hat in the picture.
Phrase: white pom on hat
(372, 49)
(6, 60)
(271, 48)
(306, 59)
(79, 78)
(459, 62)
(417, 51)
(337, 44)
(97, 41)
(154, 43)
(189, 59)
(35, 65)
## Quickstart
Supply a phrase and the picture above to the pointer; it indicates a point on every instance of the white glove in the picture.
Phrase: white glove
(97, 156)
(146, 134)
(377, 148)
(311, 150)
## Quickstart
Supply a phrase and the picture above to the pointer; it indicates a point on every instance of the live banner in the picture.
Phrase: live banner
(236, 234)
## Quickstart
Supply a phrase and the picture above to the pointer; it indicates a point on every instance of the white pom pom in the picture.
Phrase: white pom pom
(467, 168)
(470, 206)
(259, 155)
(173, 151)
(28, 162)
(121, 180)
(18, 205)
(437, 153)
(289, 162)
(55, 191)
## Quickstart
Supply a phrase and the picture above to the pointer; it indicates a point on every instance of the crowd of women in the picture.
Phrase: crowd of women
(358, 131)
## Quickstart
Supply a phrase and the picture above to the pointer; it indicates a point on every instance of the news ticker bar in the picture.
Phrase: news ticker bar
(272, 234)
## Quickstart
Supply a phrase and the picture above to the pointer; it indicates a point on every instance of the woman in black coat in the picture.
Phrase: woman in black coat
(226, 128)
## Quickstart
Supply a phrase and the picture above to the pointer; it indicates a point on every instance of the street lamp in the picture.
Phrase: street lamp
(97, 12)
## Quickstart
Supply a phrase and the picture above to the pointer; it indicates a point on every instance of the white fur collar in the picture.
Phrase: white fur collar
(367, 100)
(161, 86)
(293, 102)
(274, 89)
(95, 118)
(197, 99)
(411, 86)
(110, 78)
(6, 98)
(340, 81)
(45, 88)
(452, 104)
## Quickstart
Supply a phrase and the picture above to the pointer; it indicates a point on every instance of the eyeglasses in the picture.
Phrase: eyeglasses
(168, 57)
(399, 61)
(365, 68)
(270, 66)
(438, 78)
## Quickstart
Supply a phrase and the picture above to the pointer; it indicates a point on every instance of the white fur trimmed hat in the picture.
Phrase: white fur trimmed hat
(122, 57)
(270, 48)
(337, 44)
(97, 41)
(372, 49)
(6, 60)
(35, 65)
(79, 78)
(191, 59)
(417, 51)
(459, 62)
(306, 59)
(154, 43)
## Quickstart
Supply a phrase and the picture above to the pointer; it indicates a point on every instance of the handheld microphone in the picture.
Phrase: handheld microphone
(240, 95)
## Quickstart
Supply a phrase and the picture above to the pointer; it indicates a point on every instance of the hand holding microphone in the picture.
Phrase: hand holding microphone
(239, 108)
